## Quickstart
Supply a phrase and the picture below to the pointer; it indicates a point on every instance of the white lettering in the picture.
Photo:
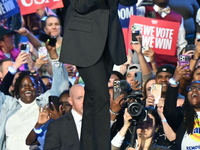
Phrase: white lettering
(2, 11)
(164, 32)
(148, 41)
(26, 4)
(124, 13)
(163, 43)
(9, 5)
(148, 30)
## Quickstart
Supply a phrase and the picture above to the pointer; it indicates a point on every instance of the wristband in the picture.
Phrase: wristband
(113, 112)
(12, 70)
(37, 131)
(164, 120)
(173, 82)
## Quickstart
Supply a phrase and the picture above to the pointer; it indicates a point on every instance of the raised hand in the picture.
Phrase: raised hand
(137, 47)
(54, 114)
(43, 115)
(20, 60)
(23, 31)
(150, 100)
(134, 85)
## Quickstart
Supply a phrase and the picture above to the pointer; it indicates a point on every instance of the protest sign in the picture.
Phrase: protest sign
(31, 6)
(8, 8)
(160, 35)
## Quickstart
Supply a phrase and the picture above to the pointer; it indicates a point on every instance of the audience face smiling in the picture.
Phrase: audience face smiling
(163, 79)
(194, 95)
(28, 90)
(53, 26)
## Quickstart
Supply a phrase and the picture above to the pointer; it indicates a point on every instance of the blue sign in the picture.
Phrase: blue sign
(124, 13)
(8, 8)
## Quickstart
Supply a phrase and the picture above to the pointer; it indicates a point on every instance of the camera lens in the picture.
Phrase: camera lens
(134, 109)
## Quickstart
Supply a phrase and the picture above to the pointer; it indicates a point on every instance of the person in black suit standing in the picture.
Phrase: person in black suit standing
(93, 41)
(64, 133)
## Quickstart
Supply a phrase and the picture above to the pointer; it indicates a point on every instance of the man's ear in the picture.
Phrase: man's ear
(70, 101)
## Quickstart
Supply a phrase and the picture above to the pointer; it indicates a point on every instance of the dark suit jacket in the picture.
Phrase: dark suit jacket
(6, 83)
(89, 24)
(62, 134)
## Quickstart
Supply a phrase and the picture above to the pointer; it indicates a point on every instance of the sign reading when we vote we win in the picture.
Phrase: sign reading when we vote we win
(30, 6)
(160, 35)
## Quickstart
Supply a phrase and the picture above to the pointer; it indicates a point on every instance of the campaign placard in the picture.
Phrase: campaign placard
(160, 35)
(31, 6)
(8, 8)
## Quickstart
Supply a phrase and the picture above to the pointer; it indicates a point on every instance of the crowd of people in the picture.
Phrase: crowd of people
(42, 98)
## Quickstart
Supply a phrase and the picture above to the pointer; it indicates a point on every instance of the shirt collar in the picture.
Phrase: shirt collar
(77, 117)
(156, 8)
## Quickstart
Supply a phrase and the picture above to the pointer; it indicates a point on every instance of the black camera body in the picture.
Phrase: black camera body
(44, 37)
(135, 107)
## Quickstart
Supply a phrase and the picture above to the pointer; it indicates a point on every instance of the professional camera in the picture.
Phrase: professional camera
(135, 107)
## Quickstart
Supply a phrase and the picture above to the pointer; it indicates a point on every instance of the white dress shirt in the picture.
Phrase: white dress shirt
(78, 121)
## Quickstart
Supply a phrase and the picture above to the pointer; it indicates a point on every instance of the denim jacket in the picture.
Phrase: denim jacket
(9, 105)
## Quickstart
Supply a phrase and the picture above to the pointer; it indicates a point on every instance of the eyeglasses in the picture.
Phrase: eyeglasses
(191, 88)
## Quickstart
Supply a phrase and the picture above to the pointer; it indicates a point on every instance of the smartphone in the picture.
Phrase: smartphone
(144, 48)
(183, 60)
(135, 33)
(25, 48)
(117, 91)
(44, 37)
(156, 90)
(42, 51)
(55, 101)
(138, 77)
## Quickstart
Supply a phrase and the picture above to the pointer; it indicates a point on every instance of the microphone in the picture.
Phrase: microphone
(125, 86)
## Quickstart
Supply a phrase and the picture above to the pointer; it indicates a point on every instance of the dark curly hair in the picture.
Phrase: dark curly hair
(190, 114)
(18, 82)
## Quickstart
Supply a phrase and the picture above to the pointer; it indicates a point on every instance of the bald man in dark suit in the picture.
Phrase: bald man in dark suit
(93, 41)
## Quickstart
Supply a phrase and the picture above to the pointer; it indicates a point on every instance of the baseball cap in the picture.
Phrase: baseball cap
(134, 67)
(166, 68)
(5, 31)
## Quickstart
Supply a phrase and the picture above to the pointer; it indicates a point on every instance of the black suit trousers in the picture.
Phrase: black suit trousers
(95, 134)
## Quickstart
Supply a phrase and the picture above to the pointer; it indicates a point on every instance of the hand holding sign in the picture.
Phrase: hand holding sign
(158, 34)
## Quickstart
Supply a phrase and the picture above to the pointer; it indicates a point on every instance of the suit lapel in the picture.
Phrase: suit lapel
(70, 131)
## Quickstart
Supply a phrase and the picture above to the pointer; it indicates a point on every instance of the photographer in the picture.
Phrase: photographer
(145, 132)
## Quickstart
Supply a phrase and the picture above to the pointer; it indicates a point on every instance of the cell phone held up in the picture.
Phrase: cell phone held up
(55, 101)
(156, 91)
(117, 91)
(183, 60)
(135, 33)
(44, 37)
(25, 48)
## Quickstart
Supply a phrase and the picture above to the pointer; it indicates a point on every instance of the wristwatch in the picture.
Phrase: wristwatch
(173, 82)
